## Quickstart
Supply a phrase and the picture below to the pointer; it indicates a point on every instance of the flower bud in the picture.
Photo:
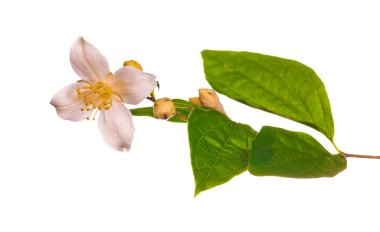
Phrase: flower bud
(195, 101)
(164, 108)
(133, 63)
(209, 98)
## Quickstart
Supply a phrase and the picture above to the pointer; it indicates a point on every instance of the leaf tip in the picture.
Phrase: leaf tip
(196, 192)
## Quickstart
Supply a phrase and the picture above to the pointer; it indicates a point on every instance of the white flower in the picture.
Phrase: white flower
(101, 91)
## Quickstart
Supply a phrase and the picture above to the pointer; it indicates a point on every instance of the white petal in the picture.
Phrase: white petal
(68, 105)
(88, 62)
(132, 85)
(116, 126)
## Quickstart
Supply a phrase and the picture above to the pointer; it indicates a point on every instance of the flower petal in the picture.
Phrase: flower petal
(132, 85)
(88, 62)
(68, 105)
(116, 126)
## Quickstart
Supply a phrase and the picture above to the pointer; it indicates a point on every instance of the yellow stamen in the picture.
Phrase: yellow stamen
(93, 117)
(98, 96)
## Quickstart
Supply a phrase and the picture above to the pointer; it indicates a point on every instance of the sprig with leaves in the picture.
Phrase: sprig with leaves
(219, 147)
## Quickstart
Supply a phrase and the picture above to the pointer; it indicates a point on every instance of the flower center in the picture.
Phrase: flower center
(97, 96)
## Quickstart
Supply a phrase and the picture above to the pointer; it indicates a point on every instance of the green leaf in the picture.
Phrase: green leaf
(183, 109)
(279, 152)
(179, 103)
(219, 148)
(144, 111)
(280, 86)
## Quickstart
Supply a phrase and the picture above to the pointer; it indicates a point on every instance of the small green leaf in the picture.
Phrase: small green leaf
(144, 111)
(183, 109)
(219, 148)
(280, 86)
(179, 103)
(279, 152)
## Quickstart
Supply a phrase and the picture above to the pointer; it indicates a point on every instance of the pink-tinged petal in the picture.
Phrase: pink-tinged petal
(68, 105)
(132, 85)
(88, 62)
(116, 126)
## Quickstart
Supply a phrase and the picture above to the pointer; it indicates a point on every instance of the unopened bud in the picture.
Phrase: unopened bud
(195, 101)
(164, 108)
(133, 63)
(209, 98)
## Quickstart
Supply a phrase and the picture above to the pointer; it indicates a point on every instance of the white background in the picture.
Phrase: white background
(57, 175)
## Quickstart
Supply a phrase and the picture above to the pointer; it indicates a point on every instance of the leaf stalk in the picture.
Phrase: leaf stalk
(360, 156)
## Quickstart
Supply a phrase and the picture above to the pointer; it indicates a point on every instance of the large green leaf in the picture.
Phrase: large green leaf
(279, 152)
(219, 148)
(183, 109)
(281, 86)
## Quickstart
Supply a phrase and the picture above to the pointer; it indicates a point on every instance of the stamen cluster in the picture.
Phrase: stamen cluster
(97, 96)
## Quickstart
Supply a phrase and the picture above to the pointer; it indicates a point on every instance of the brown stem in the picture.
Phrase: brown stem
(151, 99)
(360, 156)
